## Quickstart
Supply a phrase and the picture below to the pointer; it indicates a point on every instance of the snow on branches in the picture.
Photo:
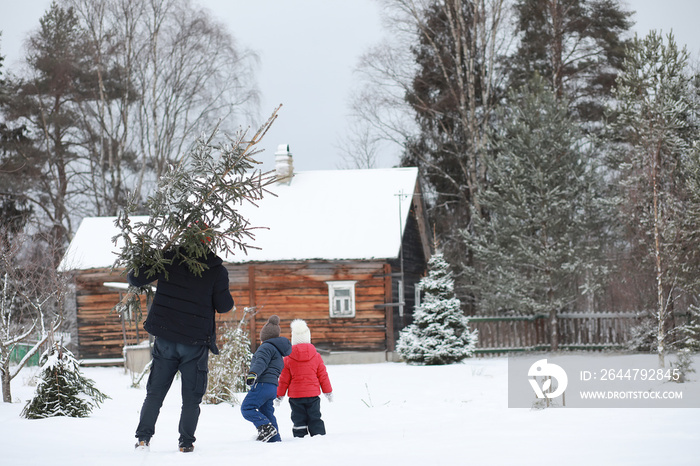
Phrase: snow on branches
(440, 332)
(195, 207)
(228, 369)
(62, 389)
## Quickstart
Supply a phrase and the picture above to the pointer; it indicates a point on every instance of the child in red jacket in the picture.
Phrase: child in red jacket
(304, 376)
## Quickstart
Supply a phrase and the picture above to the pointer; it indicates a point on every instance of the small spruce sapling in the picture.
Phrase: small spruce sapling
(687, 343)
(228, 369)
(643, 335)
(440, 332)
(62, 389)
(683, 365)
(688, 333)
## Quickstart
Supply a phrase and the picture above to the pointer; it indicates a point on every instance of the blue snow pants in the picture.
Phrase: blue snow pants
(257, 406)
(169, 358)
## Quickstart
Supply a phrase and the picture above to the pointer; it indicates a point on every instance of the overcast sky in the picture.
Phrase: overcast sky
(308, 50)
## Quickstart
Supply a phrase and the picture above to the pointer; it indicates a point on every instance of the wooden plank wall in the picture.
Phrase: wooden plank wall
(100, 333)
(414, 267)
(295, 289)
(298, 289)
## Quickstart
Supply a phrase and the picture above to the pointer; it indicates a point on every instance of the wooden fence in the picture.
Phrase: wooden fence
(577, 331)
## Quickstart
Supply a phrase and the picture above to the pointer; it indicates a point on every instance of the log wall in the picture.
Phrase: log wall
(294, 289)
(415, 263)
(100, 330)
(298, 289)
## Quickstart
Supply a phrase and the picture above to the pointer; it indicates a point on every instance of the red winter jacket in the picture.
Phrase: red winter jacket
(303, 373)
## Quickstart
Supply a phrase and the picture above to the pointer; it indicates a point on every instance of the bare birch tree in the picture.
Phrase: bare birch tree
(113, 93)
(360, 148)
(658, 125)
(167, 71)
(111, 33)
(191, 75)
(432, 90)
(31, 296)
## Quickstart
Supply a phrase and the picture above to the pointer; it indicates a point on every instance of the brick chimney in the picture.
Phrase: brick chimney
(284, 169)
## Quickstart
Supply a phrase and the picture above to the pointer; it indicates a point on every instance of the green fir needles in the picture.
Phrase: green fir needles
(194, 208)
(62, 389)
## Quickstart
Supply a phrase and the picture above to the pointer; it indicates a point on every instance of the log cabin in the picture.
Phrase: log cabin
(341, 249)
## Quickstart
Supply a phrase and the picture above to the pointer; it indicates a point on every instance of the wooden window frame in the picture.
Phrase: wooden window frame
(341, 285)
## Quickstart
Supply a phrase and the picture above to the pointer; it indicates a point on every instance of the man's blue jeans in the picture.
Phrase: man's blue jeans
(257, 406)
(168, 359)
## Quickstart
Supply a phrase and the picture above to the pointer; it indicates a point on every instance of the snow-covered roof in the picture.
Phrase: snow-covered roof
(327, 214)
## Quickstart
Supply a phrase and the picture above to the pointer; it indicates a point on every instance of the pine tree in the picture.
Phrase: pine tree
(440, 332)
(455, 86)
(47, 103)
(62, 388)
(532, 248)
(228, 369)
(577, 46)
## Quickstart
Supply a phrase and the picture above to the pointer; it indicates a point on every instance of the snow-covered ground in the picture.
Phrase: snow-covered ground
(388, 413)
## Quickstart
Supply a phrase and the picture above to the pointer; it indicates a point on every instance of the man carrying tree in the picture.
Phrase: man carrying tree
(182, 321)
(193, 213)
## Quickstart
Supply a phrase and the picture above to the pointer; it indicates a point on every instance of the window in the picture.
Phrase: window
(416, 294)
(341, 299)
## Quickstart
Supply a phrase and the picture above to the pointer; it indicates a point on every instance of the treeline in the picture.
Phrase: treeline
(109, 94)
(558, 152)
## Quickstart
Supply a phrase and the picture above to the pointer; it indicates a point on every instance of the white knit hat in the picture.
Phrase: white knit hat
(300, 332)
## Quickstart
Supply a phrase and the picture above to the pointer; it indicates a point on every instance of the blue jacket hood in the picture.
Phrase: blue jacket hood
(282, 344)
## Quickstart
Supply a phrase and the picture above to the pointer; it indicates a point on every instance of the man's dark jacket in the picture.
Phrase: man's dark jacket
(184, 305)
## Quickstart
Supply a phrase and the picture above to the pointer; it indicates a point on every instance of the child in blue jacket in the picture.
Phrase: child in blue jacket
(263, 377)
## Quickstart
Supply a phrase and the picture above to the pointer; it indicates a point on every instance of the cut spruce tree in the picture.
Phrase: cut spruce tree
(194, 210)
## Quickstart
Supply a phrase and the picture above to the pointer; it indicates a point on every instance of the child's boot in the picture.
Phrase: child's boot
(266, 432)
